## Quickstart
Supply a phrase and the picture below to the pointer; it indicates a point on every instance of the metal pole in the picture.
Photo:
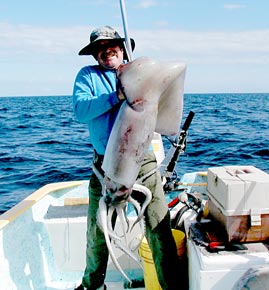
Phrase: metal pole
(125, 27)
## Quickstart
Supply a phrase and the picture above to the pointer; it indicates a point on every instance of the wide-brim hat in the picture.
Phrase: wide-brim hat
(104, 33)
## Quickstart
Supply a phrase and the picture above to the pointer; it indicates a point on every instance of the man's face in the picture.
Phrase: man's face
(109, 54)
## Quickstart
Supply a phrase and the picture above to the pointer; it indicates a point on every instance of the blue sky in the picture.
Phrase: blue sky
(225, 44)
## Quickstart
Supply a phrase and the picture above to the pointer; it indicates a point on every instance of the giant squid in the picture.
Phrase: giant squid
(154, 103)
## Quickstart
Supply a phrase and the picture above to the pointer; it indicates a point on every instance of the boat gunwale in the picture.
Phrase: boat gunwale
(17, 210)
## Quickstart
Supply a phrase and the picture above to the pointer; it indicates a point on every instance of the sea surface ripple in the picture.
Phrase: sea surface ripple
(41, 142)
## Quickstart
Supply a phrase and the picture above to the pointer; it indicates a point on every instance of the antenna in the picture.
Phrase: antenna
(125, 28)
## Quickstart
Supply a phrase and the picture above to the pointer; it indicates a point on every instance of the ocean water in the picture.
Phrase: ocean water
(42, 143)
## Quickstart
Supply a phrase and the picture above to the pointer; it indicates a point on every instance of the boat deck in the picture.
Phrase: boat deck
(43, 242)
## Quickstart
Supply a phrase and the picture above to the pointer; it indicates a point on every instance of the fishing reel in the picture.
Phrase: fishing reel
(187, 205)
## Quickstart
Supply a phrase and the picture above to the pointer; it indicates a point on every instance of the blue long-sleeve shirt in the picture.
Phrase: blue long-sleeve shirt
(96, 103)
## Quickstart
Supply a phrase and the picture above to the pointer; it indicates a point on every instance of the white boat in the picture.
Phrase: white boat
(43, 240)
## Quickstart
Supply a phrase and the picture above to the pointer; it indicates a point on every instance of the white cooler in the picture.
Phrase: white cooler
(234, 192)
(239, 199)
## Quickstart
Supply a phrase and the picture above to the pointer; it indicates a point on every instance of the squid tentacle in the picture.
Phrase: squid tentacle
(121, 212)
(104, 217)
(143, 189)
(141, 222)
(103, 221)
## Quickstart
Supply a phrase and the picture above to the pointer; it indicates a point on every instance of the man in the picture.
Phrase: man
(97, 99)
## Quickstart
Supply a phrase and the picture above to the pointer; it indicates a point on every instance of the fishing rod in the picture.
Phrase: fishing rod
(128, 47)
(181, 144)
(178, 147)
